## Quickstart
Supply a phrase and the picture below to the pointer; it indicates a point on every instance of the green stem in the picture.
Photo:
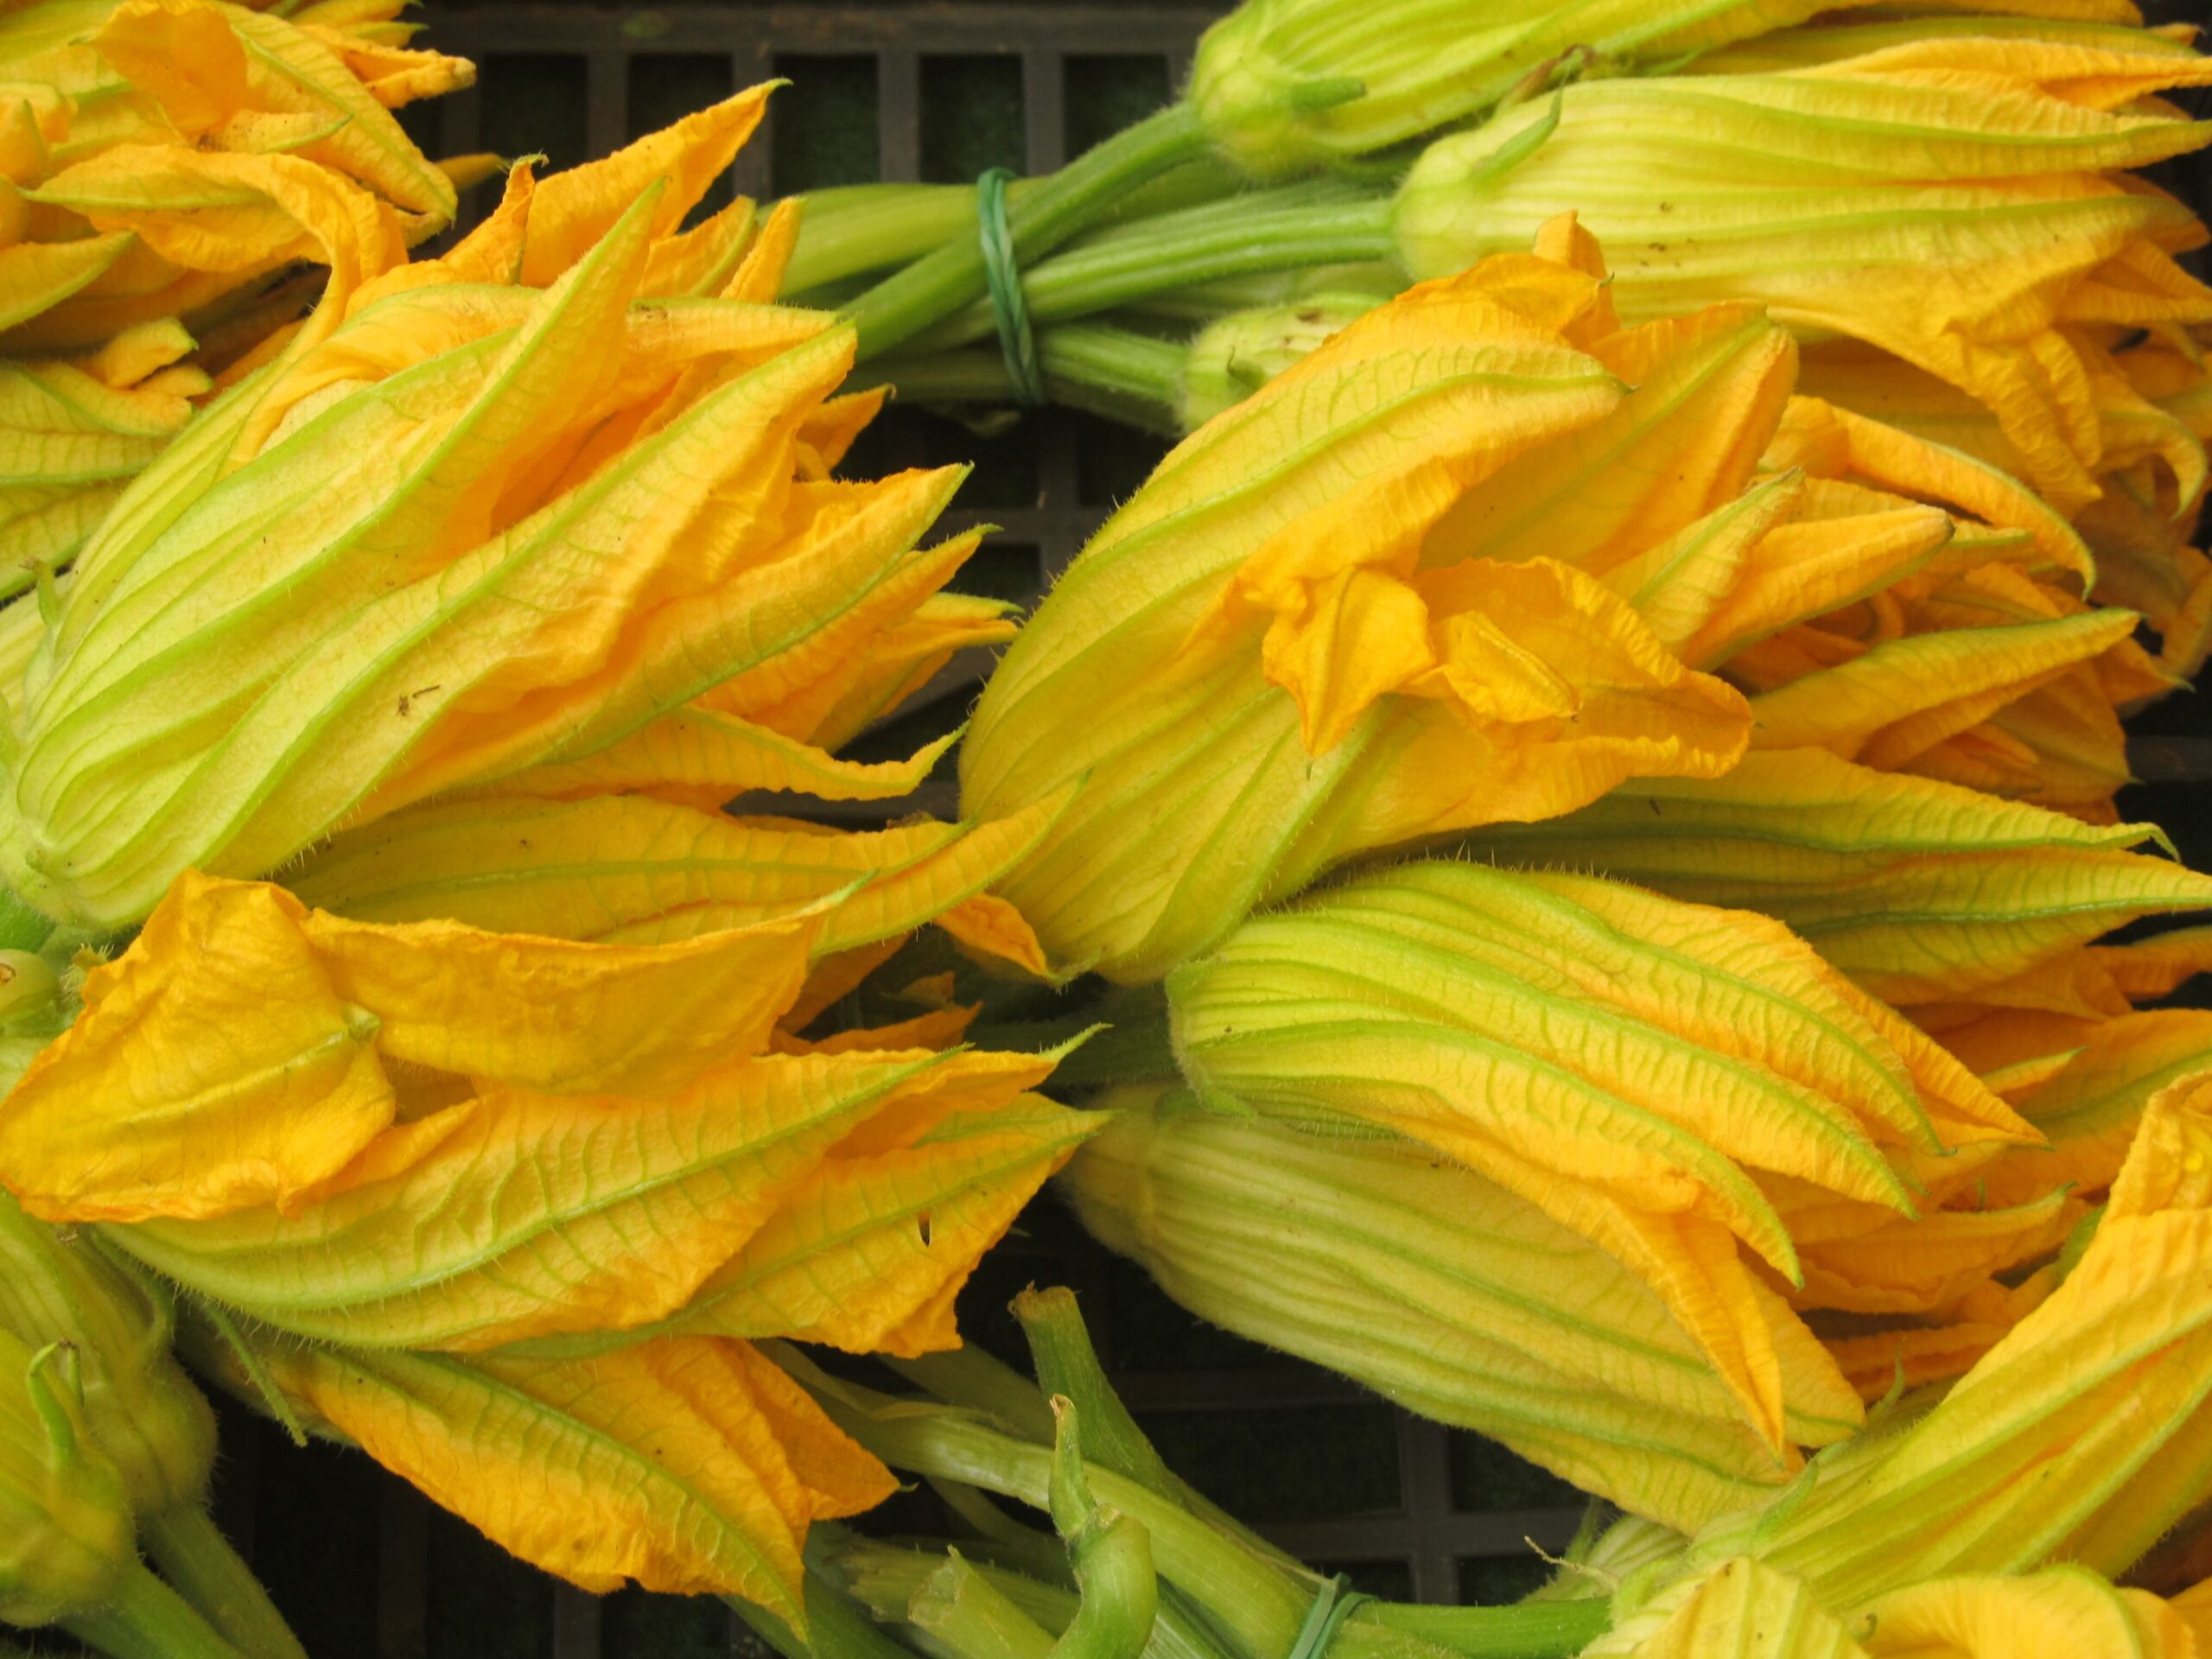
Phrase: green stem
(1071, 200)
(1255, 1605)
(968, 1617)
(1128, 368)
(1128, 377)
(968, 1377)
(1533, 1630)
(1133, 266)
(851, 231)
(146, 1619)
(859, 230)
(21, 927)
(836, 1627)
(195, 1557)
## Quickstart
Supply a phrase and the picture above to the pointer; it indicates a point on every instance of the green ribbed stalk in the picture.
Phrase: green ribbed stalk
(146, 1619)
(1039, 220)
(1126, 377)
(196, 1558)
(1184, 250)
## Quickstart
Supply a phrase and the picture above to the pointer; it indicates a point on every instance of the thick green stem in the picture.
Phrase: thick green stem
(1254, 1603)
(195, 1557)
(1038, 221)
(146, 1619)
(1129, 377)
(849, 232)
(1135, 266)
(1127, 367)
(858, 231)
(970, 1619)
(1533, 1630)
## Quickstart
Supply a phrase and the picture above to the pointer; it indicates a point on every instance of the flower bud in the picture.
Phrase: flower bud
(64, 1518)
(481, 529)
(1443, 1291)
(138, 1406)
(1231, 358)
(1284, 86)
(1630, 1066)
(1957, 203)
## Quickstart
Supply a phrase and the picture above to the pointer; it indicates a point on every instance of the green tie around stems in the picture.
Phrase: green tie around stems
(1002, 278)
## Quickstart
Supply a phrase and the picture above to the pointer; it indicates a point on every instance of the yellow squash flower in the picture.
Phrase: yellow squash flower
(1446, 1292)
(1923, 891)
(2078, 1437)
(1282, 652)
(340, 1163)
(1746, 1608)
(690, 1464)
(551, 540)
(162, 164)
(1286, 85)
(1955, 199)
(1624, 1062)
(324, 1126)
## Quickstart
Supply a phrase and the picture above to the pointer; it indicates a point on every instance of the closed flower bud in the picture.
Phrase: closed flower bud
(138, 1406)
(1667, 1080)
(65, 1517)
(1316, 632)
(502, 523)
(1953, 201)
(1284, 86)
(1443, 1291)
(1231, 358)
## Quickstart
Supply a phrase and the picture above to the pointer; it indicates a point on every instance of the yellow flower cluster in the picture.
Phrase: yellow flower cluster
(1586, 789)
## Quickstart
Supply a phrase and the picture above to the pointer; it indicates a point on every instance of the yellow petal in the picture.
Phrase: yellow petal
(517, 1216)
(867, 1252)
(2058, 1613)
(1742, 1608)
(637, 871)
(1902, 460)
(1707, 390)
(702, 755)
(37, 275)
(676, 1463)
(1919, 890)
(216, 1065)
(573, 209)
(1900, 698)
(1924, 1264)
(570, 1017)
(2080, 1434)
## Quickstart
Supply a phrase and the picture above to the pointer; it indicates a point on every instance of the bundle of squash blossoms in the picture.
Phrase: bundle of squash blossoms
(1559, 858)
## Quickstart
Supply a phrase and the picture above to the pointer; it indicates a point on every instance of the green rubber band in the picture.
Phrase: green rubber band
(1332, 1605)
(1009, 310)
